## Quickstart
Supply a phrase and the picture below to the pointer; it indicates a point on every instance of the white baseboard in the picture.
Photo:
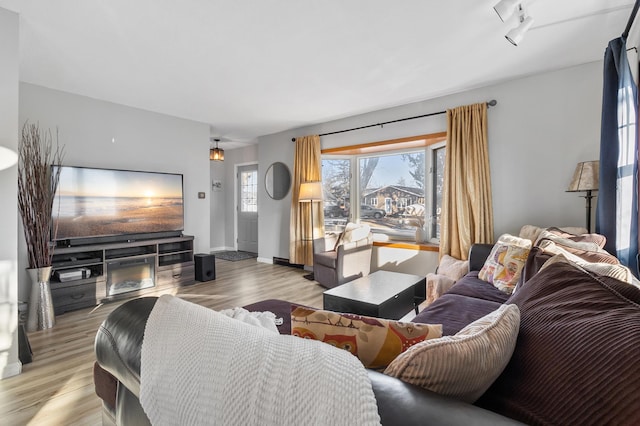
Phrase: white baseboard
(11, 370)
(265, 260)
(212, 249)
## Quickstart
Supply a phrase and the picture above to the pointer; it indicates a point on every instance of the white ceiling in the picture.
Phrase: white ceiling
(254, 67)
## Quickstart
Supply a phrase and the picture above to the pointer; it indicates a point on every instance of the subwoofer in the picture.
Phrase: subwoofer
(205, 267)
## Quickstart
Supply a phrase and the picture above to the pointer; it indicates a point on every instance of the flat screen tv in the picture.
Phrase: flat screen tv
(100, 205)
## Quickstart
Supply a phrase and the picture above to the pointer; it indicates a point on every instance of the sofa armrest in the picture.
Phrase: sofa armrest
(118, 342)
(401, 403)
(478, 254)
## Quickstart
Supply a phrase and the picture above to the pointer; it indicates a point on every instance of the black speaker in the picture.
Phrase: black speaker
(205, 267)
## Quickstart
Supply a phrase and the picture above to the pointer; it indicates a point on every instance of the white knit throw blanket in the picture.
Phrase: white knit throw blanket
(201, 367)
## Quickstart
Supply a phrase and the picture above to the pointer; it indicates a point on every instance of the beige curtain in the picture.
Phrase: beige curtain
(306, 168)
(467, 212)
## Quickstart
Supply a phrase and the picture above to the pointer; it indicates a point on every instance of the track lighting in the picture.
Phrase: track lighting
(507, 8)
(516, 34)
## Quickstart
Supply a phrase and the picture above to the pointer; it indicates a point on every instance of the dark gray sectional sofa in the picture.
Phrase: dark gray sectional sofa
(575, 360)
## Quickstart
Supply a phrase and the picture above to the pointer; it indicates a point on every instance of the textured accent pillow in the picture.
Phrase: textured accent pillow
(505, 262)
(352, 232)
(464, 365)
(586, 242)
(576, 357)
(437, 285)
(355, 232)
(376, 342)
(532, 232)
(619, 272)
(586, 251)
(452, 268)
(599, 240)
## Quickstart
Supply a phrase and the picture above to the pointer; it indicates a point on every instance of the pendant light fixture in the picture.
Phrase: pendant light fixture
(216, 154)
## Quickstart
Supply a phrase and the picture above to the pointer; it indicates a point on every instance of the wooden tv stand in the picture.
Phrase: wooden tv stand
(169, 260)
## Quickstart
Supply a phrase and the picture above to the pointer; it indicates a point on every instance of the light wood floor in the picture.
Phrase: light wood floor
(57, 387)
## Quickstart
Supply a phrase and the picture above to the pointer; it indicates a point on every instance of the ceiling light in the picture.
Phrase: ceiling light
(516, 35)
(216, 154)
(506, 8)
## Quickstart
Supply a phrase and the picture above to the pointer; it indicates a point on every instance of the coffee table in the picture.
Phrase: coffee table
(382, 294)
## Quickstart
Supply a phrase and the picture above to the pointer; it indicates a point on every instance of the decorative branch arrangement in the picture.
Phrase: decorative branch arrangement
(36, 191)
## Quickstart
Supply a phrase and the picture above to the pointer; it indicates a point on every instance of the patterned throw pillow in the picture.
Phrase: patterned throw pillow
(464, 365)
(376, 342)
(504, 265)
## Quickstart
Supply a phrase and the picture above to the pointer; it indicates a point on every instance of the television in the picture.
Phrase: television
(105, 205)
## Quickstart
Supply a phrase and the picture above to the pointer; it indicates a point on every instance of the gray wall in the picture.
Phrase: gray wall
(223, 212)
(9, 362)
(233, 159)
(143, 141)
(217, 209)
(541, 128)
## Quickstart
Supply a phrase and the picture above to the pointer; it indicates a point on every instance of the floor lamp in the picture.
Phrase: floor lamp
(311, 192)
(585, 178)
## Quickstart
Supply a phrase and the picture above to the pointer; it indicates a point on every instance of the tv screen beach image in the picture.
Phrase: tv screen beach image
(101, 202)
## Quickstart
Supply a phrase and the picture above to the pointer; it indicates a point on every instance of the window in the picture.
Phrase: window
(389, 186)
(438, 157)
(249, 191)
(336, 178)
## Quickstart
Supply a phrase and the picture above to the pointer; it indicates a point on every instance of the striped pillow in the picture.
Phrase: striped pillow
(464, 365)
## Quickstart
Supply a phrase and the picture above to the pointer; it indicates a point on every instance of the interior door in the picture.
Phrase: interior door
(247, 208)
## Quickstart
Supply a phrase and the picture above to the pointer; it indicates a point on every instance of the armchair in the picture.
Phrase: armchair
(345, 258)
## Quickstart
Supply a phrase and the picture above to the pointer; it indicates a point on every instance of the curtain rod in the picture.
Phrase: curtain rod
(631, 19)
(491, 103)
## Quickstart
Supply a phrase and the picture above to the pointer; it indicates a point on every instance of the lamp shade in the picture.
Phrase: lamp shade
(8, 157)
(310, 191)
(585, 177)
(216, 154)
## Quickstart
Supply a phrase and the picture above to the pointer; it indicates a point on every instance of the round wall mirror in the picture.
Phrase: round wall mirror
(277, 181)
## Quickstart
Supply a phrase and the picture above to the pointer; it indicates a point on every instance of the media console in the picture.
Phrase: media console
(85, 276)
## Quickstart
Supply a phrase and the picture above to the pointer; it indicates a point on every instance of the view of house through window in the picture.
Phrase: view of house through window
(394, 191)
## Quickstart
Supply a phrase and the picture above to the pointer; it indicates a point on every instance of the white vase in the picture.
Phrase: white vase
(421, 235)
(41, 315)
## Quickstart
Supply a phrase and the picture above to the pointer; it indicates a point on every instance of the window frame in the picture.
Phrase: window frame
(430, 205)
(249, 191)
(429, 144)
